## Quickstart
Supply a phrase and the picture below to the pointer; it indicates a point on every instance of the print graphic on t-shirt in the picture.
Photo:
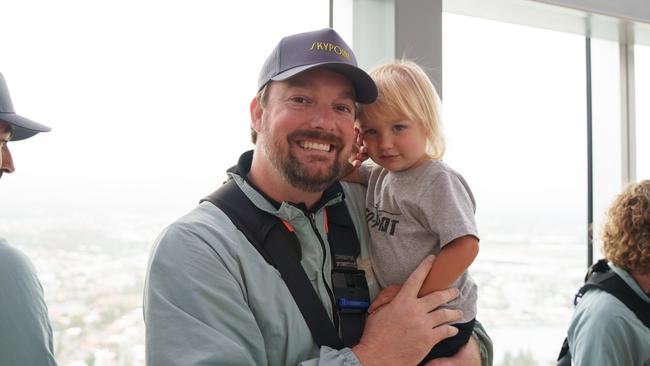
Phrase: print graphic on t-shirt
(377, 220)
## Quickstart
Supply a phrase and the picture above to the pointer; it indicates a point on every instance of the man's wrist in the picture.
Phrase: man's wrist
(365, 355)
(361, 352)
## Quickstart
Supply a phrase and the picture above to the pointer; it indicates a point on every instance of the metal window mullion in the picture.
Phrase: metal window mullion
(331, 21)
(590, 160)
(628, 112)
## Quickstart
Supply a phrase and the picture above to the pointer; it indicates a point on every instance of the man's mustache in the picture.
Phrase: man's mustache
(316, 135)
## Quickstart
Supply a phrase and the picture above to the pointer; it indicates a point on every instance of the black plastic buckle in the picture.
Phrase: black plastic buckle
(350, 290)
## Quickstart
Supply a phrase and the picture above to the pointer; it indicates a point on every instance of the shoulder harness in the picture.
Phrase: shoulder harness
(601, 276)
(279, 246)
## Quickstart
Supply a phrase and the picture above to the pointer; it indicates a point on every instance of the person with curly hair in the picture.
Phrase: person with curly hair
(604, 331)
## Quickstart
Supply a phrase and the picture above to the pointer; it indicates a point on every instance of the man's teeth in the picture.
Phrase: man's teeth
(314, 146)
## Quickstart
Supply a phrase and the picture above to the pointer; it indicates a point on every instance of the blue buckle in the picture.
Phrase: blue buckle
(352, 304)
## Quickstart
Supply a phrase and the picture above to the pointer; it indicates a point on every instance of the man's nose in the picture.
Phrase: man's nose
(7, 160)
(324, 118)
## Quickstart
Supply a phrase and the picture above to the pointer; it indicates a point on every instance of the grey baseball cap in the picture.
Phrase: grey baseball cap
(23, 128)
(318, 49)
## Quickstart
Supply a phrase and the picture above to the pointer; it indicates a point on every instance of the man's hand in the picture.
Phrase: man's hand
(468, 355)
(385, 296)
(403, 331)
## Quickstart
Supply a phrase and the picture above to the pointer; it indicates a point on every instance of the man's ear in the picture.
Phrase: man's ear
(256, 115)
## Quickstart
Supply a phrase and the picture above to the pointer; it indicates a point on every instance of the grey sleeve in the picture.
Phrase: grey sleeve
(195, 312)
(25, 330)
(365, 169)
(600, 333)
(452, 214)
(484, 344)
(332, 357)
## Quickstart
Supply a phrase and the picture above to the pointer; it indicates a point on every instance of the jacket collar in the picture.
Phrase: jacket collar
(244, 166)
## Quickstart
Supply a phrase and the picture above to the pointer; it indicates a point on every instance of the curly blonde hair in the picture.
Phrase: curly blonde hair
(626, 235)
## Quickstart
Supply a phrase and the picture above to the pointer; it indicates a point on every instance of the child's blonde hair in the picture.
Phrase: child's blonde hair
(405, 92)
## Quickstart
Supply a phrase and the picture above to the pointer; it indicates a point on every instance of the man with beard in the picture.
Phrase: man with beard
(25, 331)
(212, 299)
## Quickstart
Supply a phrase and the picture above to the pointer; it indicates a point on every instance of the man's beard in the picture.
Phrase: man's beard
(295, 172)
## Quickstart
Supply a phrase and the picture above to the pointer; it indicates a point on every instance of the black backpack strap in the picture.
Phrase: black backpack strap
(601, 276)
(349, 283)
(278, 246)
(610, 282)
(564, 359)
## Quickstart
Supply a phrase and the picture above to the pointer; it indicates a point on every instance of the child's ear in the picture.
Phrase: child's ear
(358, 136)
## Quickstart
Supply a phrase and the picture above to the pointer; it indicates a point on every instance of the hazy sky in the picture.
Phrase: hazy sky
(147, 100)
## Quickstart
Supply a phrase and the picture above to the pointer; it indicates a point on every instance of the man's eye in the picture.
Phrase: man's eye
(299, 100)
(344, 108)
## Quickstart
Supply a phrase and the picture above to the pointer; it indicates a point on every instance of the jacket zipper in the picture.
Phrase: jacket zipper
(335, 314)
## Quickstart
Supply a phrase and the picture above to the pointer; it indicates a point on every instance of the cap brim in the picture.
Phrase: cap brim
(23, 128)
(365, 89)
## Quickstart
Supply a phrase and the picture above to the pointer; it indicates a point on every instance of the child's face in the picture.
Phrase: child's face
(395, 145)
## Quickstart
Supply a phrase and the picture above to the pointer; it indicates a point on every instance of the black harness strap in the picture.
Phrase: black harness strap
(280, 248)
(601, 276)
(350, 286)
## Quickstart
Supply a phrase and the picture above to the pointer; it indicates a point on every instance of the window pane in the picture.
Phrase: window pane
(607, 149)
(148, 103)
(515, 119)
(369, 28)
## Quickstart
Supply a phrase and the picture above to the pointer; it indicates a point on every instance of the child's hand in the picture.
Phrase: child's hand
(359, 151)
(385, 296)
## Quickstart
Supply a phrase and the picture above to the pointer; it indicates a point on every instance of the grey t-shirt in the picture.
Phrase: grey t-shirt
(25, 331)
(414, 213)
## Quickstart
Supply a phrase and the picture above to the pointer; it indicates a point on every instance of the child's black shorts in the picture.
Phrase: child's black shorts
(449, 346)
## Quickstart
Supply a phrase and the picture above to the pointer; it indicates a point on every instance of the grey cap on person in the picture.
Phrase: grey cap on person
(23, 128)
(318, 49)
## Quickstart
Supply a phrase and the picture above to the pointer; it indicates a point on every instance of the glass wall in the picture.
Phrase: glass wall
(607, 140)
(369, 28)
(148, 104)
(515, 121)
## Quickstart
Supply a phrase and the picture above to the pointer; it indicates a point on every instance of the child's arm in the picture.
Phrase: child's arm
(453, 260)
(384, 297)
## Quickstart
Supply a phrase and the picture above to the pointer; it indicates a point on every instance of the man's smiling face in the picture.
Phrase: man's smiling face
(307, 128)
